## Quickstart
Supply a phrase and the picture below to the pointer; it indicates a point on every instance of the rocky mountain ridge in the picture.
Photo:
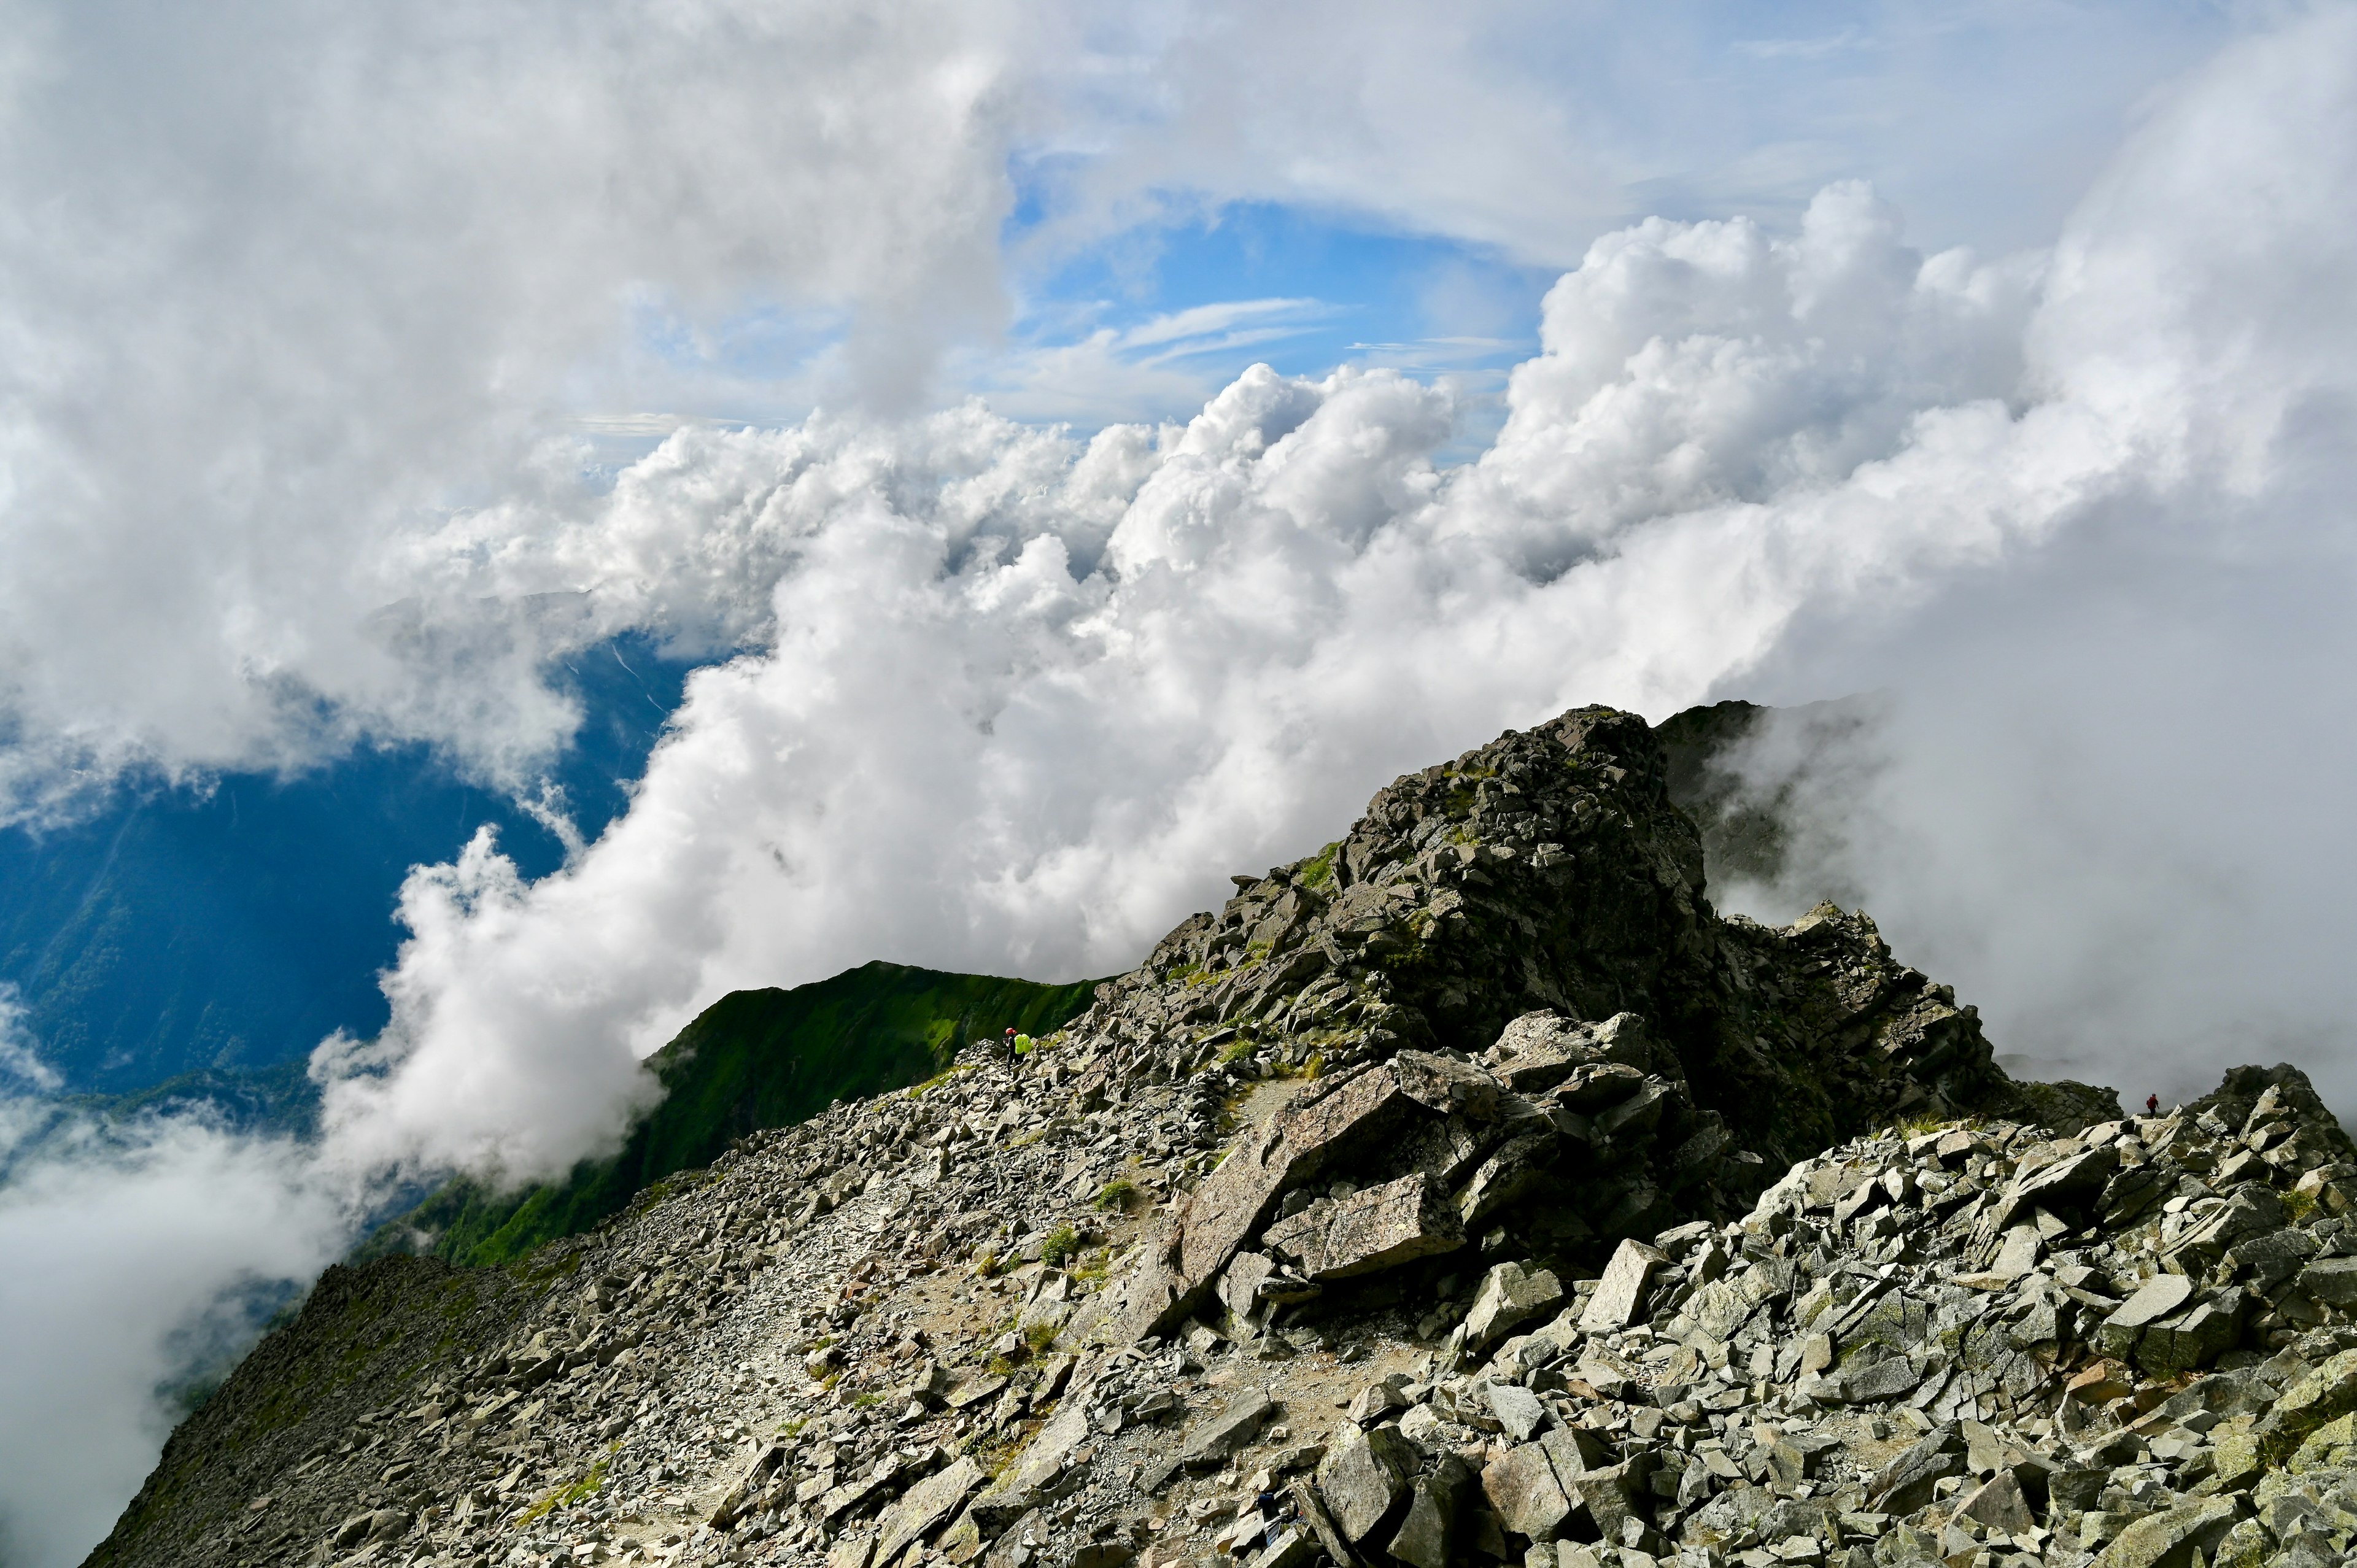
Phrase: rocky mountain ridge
(1470, 1192)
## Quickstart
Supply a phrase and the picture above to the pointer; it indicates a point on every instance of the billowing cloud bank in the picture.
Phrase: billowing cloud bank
(1023, 700)
(284, 286)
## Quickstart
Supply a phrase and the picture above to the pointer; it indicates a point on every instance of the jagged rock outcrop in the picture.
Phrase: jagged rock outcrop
(1435, 1202)
(1548, 870)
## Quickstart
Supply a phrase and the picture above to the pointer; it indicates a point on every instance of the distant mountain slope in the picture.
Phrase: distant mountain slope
(182, 931)
(751, 1061)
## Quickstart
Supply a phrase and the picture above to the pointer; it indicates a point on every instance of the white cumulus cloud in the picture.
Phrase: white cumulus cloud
(1024, 700)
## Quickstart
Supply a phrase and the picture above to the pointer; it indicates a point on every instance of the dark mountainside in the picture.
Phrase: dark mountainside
(753, 1060)
(1470, 1192)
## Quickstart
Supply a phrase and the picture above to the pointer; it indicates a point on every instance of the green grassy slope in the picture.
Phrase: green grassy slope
(752, 1059)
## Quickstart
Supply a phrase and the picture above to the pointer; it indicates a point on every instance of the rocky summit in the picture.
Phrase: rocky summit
(1470, 1192)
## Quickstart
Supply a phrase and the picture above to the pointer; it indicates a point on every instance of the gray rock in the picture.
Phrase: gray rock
(2194, 1339)
(750, 1485)
(1362, 1476)
(1312, 1510)
(1539, 1050)
(926, 1506)
(2171, 1536)
(2155, 1299)
(1239, 1288)
(1906, 1483)
(1508, 1298)
(1720, 1308)
(2000, 1504)
(1377, 1229)
(1640, 1112)
(2068, 1186)
(2332, 1280)
(1293, 1549)
(1447, 1085)
(1597, 1087)
(2265, 1261)
(1518, 1410)
(2251, 1211)
(2019, 1253)
(1234, 1200)
(1216, 1438)
(1523, 1165)
(1622, 1288)
(1425, 1537)
(1522, 1487)
(1615, 1496)
(1874, 1382)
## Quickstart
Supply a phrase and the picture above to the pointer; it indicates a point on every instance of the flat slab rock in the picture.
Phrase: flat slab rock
(1381, 1227)
(2154, 1300)
(1214, 1439)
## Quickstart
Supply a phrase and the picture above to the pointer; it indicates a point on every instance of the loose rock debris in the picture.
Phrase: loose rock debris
(1469, 1193)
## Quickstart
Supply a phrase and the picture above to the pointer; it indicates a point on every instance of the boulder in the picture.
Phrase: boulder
(926, 1506)
(2157, 1298)
(1508, 1298)
(2319, 1396)
(1522, 1487)
(1621, 1289)
(1216, 1438)
(1423, 1539)
(1447, 1085)
(1906, 1483)
(1523, 1165)
(1380, 1228)
(1519, 1411)
(1875, 1381)
(750, 1484)
(1720, 1308)
(1362, 1477)
(1615, 1496)
(2001, 1504)
(2072, 1186)
(1294, 1548)
(2332, 1280)
(1312, 1510)
(1539, 1050)
(2194, 1338)
(1597, 1087)
(2172, 1536)
(1234, 1200)
(2251, 1211)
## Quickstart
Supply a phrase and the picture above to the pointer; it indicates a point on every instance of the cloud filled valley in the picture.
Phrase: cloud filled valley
(1014, 698)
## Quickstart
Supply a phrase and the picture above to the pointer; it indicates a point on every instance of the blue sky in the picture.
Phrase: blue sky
(1168, 228)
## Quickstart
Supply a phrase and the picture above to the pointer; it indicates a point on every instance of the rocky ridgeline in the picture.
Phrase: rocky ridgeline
(1433, 1203)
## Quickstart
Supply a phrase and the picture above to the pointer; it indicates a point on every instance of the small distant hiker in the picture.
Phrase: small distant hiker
(1013, 1060)
(2152, 1104)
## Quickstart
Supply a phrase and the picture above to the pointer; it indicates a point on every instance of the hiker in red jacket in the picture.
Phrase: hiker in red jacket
(1013, 1060)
